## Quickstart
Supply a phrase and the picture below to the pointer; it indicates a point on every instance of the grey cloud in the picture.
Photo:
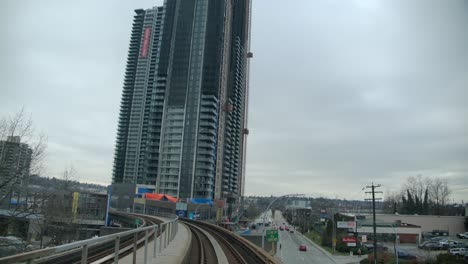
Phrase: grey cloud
(342, 93)
(359, 92)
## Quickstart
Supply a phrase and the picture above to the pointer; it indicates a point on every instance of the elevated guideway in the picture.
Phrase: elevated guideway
(157, 231)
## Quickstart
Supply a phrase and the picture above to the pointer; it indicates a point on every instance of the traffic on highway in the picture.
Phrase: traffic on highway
(293, 247)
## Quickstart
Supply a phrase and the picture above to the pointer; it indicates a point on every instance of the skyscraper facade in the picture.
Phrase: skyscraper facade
(15, 162)
(183, 116)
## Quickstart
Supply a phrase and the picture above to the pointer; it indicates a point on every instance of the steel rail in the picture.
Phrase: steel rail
(207, 251)
(230, 249)
(248, 251)
(200, 245)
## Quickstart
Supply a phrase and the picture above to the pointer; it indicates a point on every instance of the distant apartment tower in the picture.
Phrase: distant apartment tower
(15, 162)
(183, 116)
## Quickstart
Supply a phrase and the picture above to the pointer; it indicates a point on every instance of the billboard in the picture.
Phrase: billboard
(146, 40)
(349, 239)
(181, 213)
(181, 206)
(346, 224)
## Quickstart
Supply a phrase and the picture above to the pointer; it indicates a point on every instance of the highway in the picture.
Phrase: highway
(290, 242)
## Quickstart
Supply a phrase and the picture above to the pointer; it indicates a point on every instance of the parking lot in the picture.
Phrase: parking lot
(422, 253)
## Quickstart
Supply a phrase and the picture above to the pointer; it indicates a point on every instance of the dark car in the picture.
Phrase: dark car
(431, 246)
(437, 238)
(370, 247)
(406, 255)
(302, 247)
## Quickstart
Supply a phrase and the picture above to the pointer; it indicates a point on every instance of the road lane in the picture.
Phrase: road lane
(290, 242)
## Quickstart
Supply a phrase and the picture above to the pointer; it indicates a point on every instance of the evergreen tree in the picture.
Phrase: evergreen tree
(411, 204)
(426, 203)
(404, 205)
(417, 204)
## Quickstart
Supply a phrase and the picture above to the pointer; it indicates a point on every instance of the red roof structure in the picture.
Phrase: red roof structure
(160, 197)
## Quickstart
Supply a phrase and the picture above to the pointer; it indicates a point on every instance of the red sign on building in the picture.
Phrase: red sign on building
(146, 40)
(349, 239)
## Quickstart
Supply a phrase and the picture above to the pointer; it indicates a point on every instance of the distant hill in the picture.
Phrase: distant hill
(39, 182)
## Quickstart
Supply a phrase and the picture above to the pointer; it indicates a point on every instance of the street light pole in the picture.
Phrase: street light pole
(268, 208)
(332, 219)
(334, 234)
(394, 243)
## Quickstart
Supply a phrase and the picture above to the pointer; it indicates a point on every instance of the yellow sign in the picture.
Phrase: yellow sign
(75, 204)
(219, 214)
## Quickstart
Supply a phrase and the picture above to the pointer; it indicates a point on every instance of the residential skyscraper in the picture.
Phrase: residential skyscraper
(183, 117)
(15, 161)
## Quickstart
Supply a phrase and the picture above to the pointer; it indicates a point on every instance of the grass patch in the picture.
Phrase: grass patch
(314, 236)
(317, 238)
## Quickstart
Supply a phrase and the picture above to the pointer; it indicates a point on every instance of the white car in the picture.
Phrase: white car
(446, 243)
(463, 235)
(458, 251)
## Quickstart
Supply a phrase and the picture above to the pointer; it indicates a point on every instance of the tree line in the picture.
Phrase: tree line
(423, 196)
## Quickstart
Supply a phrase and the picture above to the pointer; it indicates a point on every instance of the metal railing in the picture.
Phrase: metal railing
(168, 232)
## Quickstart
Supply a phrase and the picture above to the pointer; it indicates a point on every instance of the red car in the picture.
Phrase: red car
(286, 228)
(281, 228)
(302, 247)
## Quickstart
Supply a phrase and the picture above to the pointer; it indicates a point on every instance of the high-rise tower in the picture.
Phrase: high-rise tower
(15, 163)
(183, 116)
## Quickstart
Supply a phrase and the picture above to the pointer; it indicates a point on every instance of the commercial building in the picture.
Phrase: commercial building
(183, 117)
(15, 162)
(428, 223)
(407, 233)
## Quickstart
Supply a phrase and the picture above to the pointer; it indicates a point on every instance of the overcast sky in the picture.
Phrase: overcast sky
(342, 93)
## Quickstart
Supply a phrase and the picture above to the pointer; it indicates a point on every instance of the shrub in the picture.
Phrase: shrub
(447, 258)
(382, 257)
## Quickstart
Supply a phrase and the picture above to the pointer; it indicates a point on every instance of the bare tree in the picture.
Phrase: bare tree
(68, 177)
(21, 154)
(17, 134)
(439, 193)
(391, 202)
(58, 210)
(419, 192)
(416, 185)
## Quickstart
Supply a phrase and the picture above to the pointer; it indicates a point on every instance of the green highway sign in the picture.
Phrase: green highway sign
(272, 235)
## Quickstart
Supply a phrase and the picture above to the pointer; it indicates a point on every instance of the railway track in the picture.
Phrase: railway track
(237, 249)
(201, 251)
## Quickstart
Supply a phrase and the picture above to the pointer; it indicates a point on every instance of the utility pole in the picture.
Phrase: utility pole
(372, 187)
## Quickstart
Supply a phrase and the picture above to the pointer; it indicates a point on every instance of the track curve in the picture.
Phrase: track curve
(237, 249)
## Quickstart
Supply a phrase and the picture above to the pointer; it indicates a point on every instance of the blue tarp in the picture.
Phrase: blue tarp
(202, 201)
(144, 190)
(245, 232)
